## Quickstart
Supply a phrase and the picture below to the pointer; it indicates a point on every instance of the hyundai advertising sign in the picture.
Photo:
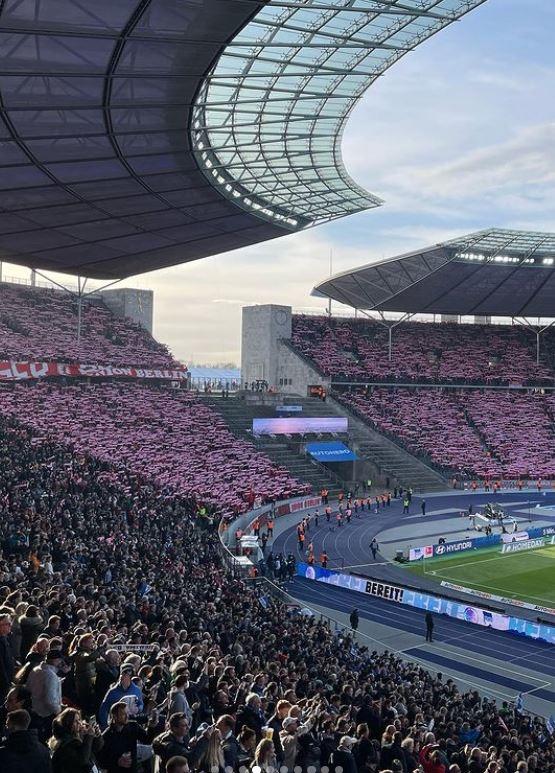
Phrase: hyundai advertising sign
(453, 547)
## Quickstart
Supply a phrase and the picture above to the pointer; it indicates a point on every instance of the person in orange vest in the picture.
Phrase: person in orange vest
(324, 559)
(474, 485)
(340, 496)
(256, 527)
(271, 527)
(519, 484)
(495, 487)
(324, 494)
(301, 541)
(310, 559)
(539, 484)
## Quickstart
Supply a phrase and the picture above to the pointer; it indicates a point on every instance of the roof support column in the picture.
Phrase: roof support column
(390, 324)
(80, 295)
(537, 330)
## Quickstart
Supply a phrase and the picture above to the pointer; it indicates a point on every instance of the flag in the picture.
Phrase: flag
(519, 703)
(550, 724)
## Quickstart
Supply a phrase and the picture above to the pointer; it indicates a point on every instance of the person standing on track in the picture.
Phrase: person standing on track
(324, 559)
(339, 518)
(423, 507)
(348, 513)
(429, 626)
(353, 619)
(328, 513)
(316, 516)
(406, 503)
(374, 547)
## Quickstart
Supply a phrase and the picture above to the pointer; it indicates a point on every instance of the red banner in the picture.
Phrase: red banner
(20, 371)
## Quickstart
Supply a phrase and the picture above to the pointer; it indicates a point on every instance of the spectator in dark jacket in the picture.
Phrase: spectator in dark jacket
(230, 744)
(7, 660)
(107, 673)
(22, 751)
(343, 756)
(409, 755)
(364, 751)
(120, 741)
(250, 715)
(174, 742)
(275, 722)
(31, 625)
(73, 743)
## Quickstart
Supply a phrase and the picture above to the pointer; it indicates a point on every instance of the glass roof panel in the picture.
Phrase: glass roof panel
(312, 61)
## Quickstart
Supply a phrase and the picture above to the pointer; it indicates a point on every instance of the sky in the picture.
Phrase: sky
(458, 136)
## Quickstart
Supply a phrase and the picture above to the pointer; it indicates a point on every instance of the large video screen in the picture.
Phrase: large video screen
(298, 425)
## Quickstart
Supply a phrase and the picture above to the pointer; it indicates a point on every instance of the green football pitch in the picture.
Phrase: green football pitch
(528, 576)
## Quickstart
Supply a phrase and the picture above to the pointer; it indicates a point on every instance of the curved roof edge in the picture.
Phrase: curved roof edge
(102, 172)
(495, 272)
(270, 116)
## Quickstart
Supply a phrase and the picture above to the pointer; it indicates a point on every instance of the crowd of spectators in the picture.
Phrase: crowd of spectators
(126, 641)
(423, 352)
(38, 324)
(170, 435)
(484, 434)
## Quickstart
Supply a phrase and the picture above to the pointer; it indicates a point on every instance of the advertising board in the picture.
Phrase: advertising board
(298, 425)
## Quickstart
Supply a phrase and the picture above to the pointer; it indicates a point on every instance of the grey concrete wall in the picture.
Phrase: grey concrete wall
(262, 328)
(265, 356)
(295, 375)
(137, 305)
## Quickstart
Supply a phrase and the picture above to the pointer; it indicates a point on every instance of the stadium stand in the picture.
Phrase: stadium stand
(170, 436)
(357, 350)
(480, 433)
(42, 324)
(98, 562)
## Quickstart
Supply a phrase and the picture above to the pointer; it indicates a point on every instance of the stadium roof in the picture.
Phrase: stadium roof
(137, 134)
(492, 273)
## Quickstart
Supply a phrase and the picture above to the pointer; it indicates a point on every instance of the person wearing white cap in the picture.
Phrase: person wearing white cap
(343, 756)
(289, 737)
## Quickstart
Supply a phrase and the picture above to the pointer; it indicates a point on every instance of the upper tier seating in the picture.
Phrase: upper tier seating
(357, 349)
(39, 324)
(485, 434)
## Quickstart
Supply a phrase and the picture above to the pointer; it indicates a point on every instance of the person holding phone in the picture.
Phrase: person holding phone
(74, 743)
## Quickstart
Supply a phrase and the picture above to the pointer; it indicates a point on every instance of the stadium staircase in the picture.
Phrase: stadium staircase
(238, 415)
(391, 460)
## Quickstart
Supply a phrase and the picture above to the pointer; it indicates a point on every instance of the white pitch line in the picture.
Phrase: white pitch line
(494, 669)
(358, 566)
